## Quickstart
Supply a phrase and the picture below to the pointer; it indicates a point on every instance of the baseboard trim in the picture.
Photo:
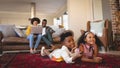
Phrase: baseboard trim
(16, 51)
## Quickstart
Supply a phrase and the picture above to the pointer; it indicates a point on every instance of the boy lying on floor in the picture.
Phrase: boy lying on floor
(65, 53)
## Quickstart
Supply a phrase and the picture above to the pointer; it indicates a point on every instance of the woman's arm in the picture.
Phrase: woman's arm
(28, 30)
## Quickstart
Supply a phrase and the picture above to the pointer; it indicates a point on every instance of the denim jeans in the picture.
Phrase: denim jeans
(47, 38)
(31, 40)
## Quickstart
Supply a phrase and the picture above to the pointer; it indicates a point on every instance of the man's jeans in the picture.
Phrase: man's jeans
(47, 38)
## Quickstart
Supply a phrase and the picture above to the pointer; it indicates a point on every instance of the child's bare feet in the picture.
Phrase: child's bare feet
(52, 47)
(42, 51)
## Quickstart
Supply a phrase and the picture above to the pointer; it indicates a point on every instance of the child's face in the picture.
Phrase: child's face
(90, 38)
(69, 42)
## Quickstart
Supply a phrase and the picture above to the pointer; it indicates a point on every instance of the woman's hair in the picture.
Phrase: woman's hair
(65, 34)
(81, 39)
(35, 19)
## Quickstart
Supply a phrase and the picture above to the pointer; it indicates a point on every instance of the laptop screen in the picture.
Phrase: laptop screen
(36, 29)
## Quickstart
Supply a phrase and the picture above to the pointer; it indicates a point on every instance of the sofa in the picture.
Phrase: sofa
(13, 38)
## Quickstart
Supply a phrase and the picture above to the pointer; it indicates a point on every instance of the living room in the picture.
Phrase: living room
(19, 12)
(20, 15)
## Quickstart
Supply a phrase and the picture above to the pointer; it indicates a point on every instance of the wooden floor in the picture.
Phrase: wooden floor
(105, 52)
(111, 52)
(114, 52)
(108, 52)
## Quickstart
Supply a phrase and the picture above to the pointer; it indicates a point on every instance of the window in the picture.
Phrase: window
(57, 21)
(62, 21)
(65, 21)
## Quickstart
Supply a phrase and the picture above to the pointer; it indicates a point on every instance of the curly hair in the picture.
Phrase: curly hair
(35, 19)
(81, 39)
(65, 34)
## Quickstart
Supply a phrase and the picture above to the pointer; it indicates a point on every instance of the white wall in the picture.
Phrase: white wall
(97, 9)
(14, 18)
(48, 17)
(101, 9)
(61, 11)
(79, 12)
(21, 18)
(107, 14)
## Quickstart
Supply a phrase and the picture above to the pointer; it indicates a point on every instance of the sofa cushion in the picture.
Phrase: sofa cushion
(19, 32)
(58, 32)
(7, 30)
(97, 27)
(22, 40)
(15, 40)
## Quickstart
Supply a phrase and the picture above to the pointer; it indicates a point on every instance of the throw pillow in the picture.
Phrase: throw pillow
(58, 32)
(19, 32)
(7, 30)
(97, 27)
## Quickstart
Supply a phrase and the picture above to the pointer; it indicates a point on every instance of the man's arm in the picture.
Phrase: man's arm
(50, 29)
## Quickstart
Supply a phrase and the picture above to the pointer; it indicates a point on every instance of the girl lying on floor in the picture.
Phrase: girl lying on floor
(87, 43)
(66, 52)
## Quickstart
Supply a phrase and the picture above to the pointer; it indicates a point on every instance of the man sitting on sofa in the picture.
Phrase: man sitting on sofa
(47, 34)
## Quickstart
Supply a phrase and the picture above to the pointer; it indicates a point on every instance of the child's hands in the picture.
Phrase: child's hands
(73, 49)
(77, 51)
(78, 55)
(94, 45)
(97, 59)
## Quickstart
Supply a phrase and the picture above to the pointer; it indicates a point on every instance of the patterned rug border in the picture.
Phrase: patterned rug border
(8, 61)
(15, 54)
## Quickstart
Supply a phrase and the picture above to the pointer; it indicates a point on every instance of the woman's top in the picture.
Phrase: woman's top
(28, 30)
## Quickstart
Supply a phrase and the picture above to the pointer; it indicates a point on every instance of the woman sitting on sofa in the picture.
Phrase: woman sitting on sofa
(34, 22)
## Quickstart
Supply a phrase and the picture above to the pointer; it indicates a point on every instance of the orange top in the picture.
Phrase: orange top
(57, 59)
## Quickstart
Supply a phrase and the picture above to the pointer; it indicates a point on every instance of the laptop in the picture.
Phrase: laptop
(36, 29)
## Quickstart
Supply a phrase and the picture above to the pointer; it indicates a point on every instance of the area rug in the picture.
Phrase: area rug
(27, 60)
(6, 59)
